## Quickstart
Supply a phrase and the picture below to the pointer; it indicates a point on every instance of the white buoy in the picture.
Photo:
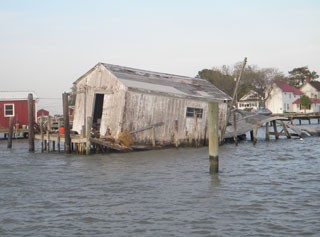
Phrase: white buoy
(301, 139)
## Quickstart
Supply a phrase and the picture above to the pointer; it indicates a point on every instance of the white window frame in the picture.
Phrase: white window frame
(5, 110)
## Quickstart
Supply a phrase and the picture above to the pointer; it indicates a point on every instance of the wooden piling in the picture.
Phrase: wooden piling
(176, 140)
(42, 133)
(255, 133)
(88, 135)
(48, 133)
(267, 132)
(285, 130)
(195, 129)
(190, 138)
(276, 134)
(10, 132)
(31, 122)
(235, 137)
(67, 146)
(213, 120)
(58, 136)
(153, 137)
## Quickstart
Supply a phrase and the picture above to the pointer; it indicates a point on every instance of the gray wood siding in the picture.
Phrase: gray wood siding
(102, 81)
(142, 110)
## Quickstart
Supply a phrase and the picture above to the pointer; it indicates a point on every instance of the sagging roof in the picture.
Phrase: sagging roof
(15, 95)
(285, 87)
(163, 83)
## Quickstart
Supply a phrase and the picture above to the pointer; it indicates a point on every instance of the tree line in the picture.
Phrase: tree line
(254, 78)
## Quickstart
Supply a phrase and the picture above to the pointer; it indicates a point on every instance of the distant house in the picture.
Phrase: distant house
(127, 99)
(282, 97)
(249, 101)
(14, 104)
(311, 89)
(42, 112)
(313, 108)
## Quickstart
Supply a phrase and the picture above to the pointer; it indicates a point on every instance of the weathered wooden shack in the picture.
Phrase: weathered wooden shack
(121, 99)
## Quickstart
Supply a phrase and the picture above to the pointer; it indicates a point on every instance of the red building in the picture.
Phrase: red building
(14, 104)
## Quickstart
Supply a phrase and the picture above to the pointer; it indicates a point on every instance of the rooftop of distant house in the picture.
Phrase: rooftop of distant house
(315, 84)
(285, 87)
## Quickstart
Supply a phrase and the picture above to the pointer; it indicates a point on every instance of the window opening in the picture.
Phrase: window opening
(191, 111)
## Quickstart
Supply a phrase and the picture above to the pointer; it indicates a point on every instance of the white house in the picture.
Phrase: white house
(311, 89)
(249, 101)
(282, 97)
(313, 108)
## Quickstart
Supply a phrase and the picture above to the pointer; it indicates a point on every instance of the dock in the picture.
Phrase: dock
(300, 117)
(281, 125)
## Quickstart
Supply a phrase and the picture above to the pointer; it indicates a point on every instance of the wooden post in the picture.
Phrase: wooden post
(285, 130)
(176, 140)
(267, 132)
(195, 118)
(276, 134)
(67, 139)
(58, 138)
(213, 120)
(300, 121)
(255, 133)
(190, 138)
(318, 120)
(234, 100)
(48, 133)
(41, 133)
(309, 120)
(10, 132)
(31, 122)
(153, 137)
(88, 135)
(235, 137)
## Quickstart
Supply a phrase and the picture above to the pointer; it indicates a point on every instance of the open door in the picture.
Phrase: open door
(97, 112)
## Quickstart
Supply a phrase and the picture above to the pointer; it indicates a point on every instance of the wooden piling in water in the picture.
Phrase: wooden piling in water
(67, 146)
(276, 134)
(48, 133)
(10, 132)
(285, 130)
(58, 135)
(41, 133)
(255, 133)
(213, 120)
(267, 132)
(235, 137)
(153, 137)
(31, 122)
(88, 135)
(196, 137)
(176, 139)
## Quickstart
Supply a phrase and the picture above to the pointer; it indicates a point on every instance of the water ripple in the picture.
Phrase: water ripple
(271, 189)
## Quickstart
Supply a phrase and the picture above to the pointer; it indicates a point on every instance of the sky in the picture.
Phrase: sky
(46, 45)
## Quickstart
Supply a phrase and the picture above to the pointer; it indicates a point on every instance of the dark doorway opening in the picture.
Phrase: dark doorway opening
(97, 113)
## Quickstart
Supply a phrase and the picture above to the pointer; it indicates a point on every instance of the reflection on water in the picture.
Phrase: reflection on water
(270, 189)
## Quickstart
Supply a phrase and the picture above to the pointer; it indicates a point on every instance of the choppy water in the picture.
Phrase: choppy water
(272, 189)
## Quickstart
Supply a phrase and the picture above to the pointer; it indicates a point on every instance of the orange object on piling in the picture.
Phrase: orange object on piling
(61, 130)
